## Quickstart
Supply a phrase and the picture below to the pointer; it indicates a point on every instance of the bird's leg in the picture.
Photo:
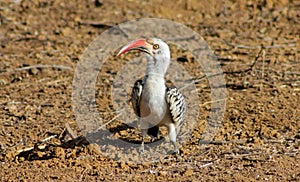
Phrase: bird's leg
(144, 134)
(172, 136)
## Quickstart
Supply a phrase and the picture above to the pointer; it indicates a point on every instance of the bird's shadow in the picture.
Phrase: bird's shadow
(107, 137)
(102, 137)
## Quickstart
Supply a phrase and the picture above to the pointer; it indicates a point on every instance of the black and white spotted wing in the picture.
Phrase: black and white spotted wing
(176, 104)
(136, 93)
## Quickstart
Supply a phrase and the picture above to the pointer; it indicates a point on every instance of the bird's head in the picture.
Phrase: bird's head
(158, 52)
(153, 46)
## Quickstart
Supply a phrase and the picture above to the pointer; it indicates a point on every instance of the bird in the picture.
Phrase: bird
(154, 103)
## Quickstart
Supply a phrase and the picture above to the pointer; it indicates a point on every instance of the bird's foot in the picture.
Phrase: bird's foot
(174, 152)
(142, 149)
(153, 139)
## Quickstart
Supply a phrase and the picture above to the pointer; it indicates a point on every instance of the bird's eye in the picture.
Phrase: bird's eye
(155, 46)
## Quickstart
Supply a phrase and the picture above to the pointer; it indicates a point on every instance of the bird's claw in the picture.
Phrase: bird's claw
(174, 152)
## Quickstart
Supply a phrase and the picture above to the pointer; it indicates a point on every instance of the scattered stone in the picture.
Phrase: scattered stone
(188, 172)
(33, 71)
(59, 152)
(98, 3)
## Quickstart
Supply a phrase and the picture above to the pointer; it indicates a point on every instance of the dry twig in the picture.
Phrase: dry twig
(263, 69)
(44, 66)
(247, 69)
(96, 24)
(70, 131)
(240, 46)
(114, 118)
(206, 165)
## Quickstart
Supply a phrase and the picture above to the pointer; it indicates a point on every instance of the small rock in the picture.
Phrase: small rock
(124, 166)
(33, 71)
(12, 108)
(162, 173)
(77, 19)
(270, 4)
(21, 159)
(123, 132)
(188, 172)
(182, 59)
(3, 82)
(40, 154)
(98, 3)
(263, 30)
(67, 31)
(59, 152)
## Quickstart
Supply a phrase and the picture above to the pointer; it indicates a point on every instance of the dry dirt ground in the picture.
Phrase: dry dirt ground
(257, 44)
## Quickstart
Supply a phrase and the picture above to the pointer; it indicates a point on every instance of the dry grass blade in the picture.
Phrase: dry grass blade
(206, 165)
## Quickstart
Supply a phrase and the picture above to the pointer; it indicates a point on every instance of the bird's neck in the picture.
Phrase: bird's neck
(157, 67)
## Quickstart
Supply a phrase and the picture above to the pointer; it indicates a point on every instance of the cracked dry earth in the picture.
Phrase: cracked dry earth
(257, 45)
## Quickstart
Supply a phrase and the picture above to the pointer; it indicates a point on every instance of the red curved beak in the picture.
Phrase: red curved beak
(140, 44)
